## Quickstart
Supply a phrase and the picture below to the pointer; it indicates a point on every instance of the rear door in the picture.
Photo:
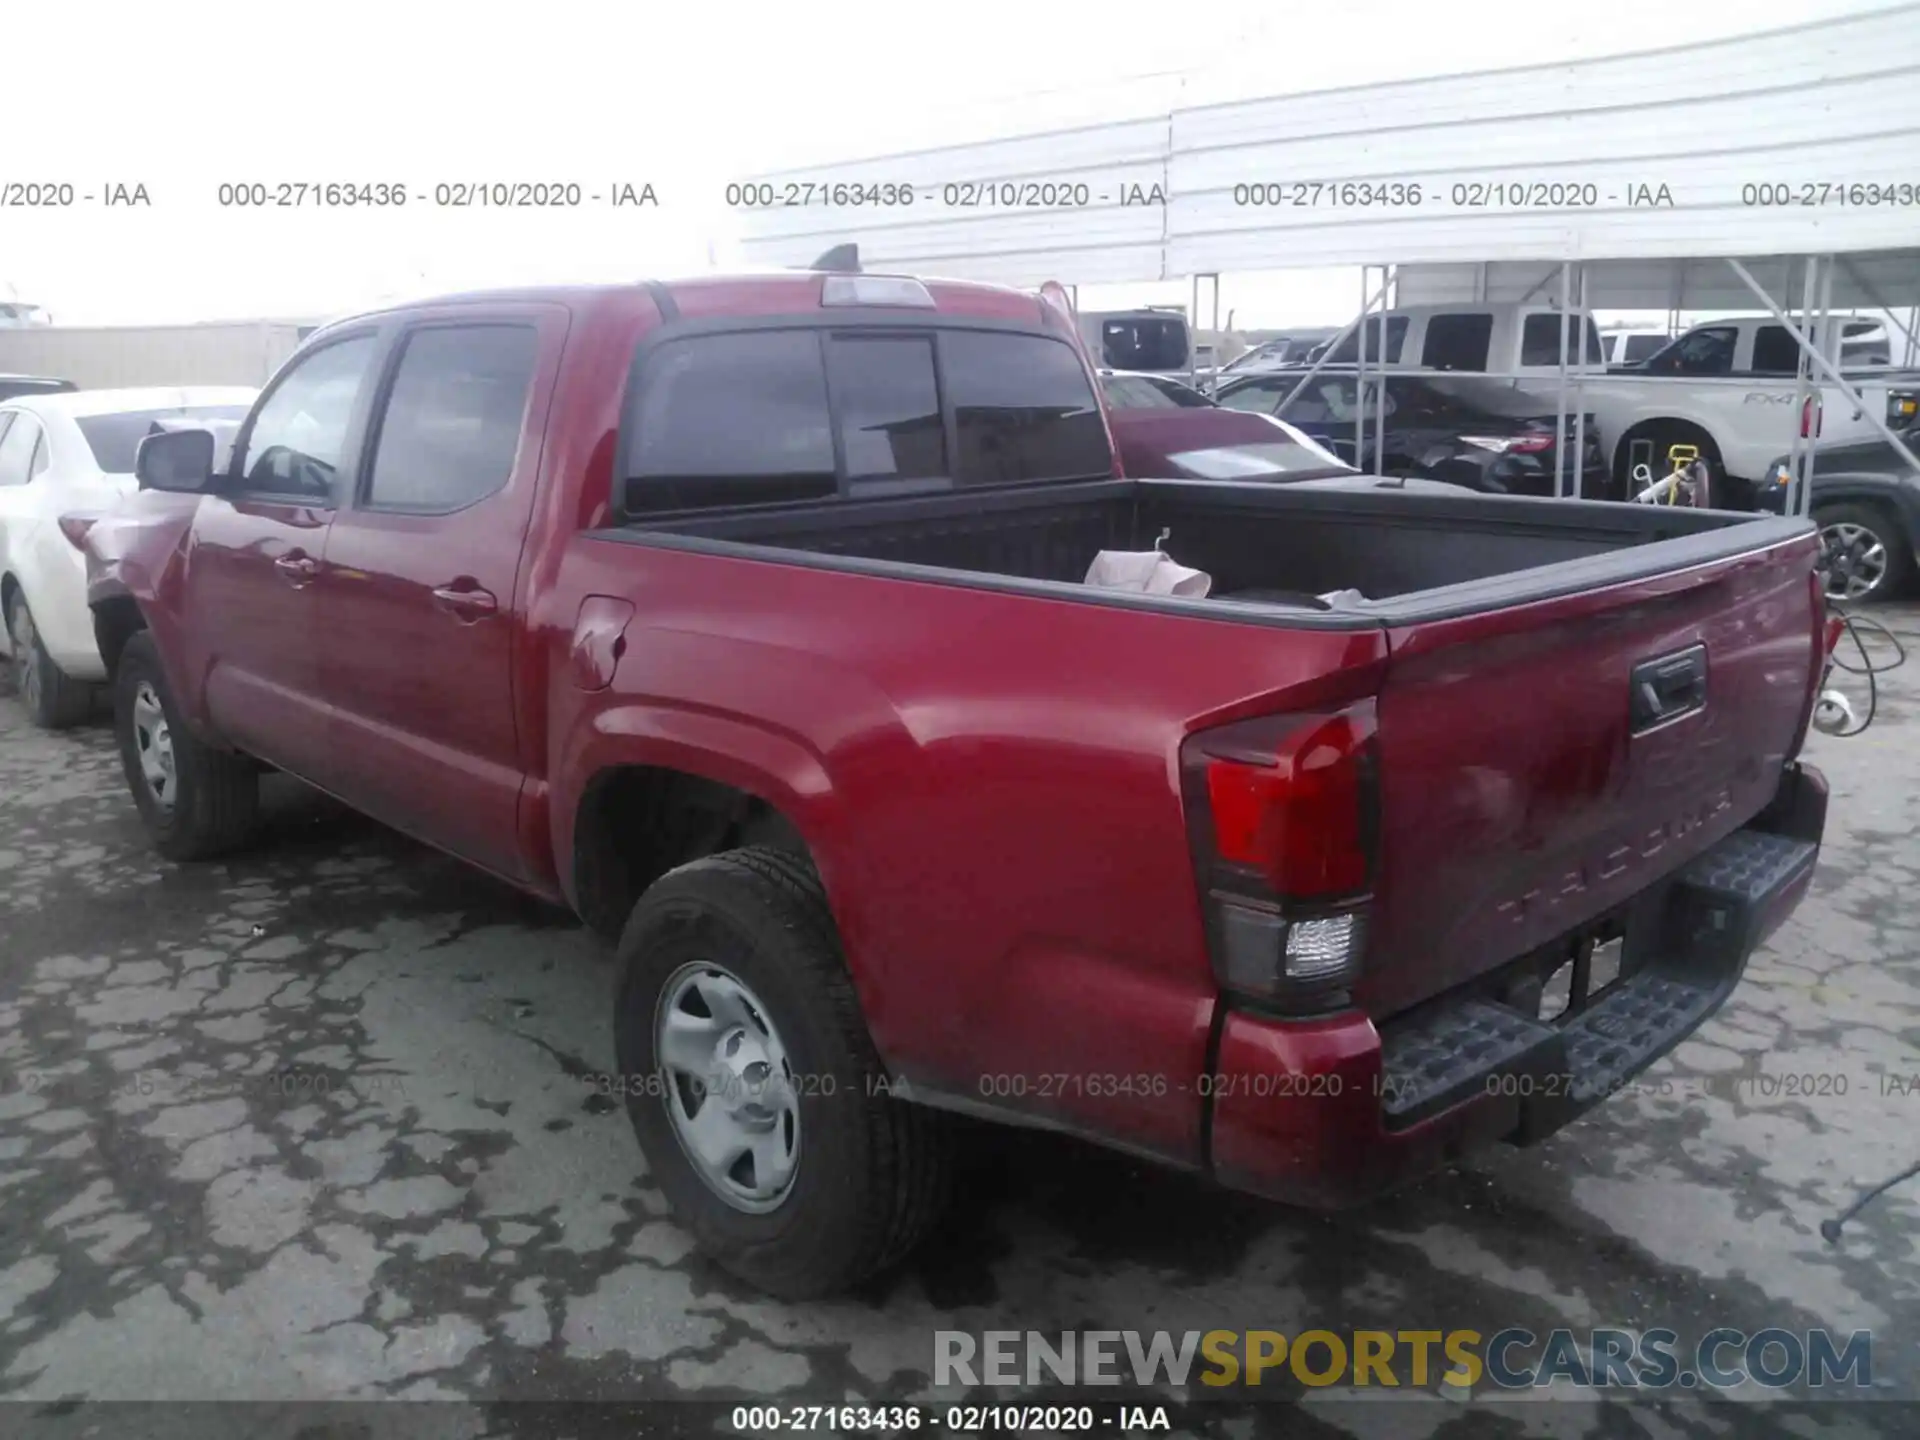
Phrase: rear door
(256, 552)
(1527, 787)
(422, 571)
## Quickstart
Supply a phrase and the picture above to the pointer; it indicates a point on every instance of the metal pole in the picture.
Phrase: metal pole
(1390, 278)
(1560, 400)
(1577, 463)
(1820, 334)
(1913, 336)
(1193, 349)
(1803, 388)
(1879, 422)
(1331, 345)
(1360, 370)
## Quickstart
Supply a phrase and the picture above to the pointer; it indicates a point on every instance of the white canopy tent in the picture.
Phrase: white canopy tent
(1628, 181)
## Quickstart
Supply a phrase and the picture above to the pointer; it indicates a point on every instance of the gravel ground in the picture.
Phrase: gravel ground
(438, 1205)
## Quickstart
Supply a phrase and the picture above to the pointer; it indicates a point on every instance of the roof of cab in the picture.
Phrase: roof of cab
(770, 292)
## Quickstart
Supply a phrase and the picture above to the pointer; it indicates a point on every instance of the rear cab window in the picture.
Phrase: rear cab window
(780, 416)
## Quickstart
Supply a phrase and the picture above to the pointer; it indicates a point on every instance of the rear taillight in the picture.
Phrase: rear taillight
(1530, 444)
(1812, 417)
(1283, 816)
(75, 528)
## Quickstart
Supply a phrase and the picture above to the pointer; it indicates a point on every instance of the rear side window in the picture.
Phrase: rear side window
(1023, 410)
(1640, 347)
(1775, 352)
(1540, 340)
(452, 423)
(732, 420)
(1460, 342)
(888, 405)
(113, 439)
(1347, 352)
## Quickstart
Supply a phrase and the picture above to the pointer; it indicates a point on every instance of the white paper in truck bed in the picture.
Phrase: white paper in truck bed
(1147, 572)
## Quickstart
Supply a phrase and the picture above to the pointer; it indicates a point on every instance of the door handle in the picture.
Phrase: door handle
(296, 567)
(466, 605)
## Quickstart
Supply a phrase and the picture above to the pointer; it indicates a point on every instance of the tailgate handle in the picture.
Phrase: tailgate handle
(1668, 687)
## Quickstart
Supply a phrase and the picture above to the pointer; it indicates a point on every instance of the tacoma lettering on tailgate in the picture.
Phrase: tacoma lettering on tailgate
(1646, 845)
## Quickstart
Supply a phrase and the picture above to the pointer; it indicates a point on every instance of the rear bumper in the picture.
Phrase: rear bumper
(1333, 1111)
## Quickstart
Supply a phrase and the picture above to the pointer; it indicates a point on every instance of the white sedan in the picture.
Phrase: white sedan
(73, 454)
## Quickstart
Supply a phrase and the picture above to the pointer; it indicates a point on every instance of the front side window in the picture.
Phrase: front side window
(732, 420)
(300, 432)
(1699, 352)
(1023, 410)
(888, 406)
(18, 446)
(452, 423)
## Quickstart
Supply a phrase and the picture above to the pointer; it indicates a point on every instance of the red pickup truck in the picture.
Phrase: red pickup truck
(747, 617)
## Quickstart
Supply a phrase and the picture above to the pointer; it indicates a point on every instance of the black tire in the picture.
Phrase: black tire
(873, 1172)
(1840, 561)
(216, 800)
(1664, 434)
(52, 699)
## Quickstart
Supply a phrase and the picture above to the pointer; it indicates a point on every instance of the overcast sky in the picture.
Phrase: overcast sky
(184, 96)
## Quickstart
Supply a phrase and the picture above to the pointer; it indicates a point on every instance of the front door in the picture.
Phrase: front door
(258, 544)
(421, 580)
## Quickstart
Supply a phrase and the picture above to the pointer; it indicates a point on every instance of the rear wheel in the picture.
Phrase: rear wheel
(1866, 555)
(1662, 436)
(197, 801)
(754, 1088)
(52, 699)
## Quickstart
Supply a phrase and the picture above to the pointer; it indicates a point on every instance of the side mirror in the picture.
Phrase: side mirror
(175, 460)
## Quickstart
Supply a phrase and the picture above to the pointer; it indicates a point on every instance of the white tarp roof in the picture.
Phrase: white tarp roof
(1825, 104)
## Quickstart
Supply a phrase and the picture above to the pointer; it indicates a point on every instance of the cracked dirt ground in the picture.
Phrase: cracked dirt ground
(313, 1123)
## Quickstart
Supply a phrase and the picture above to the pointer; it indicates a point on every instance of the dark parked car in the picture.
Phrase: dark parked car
(14, 386)
(1164, 429)
(1474, 433)
(1866, 501)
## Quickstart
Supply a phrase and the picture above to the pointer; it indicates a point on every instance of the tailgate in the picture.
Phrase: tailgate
(1542, 763)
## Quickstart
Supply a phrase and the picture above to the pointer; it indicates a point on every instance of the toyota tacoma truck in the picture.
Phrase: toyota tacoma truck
(749, 618)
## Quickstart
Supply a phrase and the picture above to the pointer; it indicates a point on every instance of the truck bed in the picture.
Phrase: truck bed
(1271, 549)
(1523, 796)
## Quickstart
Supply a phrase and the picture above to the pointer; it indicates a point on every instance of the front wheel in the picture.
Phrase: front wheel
(197, 801)
(754, 1088)
(52, 699)
(1865, 554)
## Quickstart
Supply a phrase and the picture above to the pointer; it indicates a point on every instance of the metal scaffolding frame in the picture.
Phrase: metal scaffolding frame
(1815, 312)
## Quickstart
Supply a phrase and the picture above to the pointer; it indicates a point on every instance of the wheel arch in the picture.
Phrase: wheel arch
(645, 789)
